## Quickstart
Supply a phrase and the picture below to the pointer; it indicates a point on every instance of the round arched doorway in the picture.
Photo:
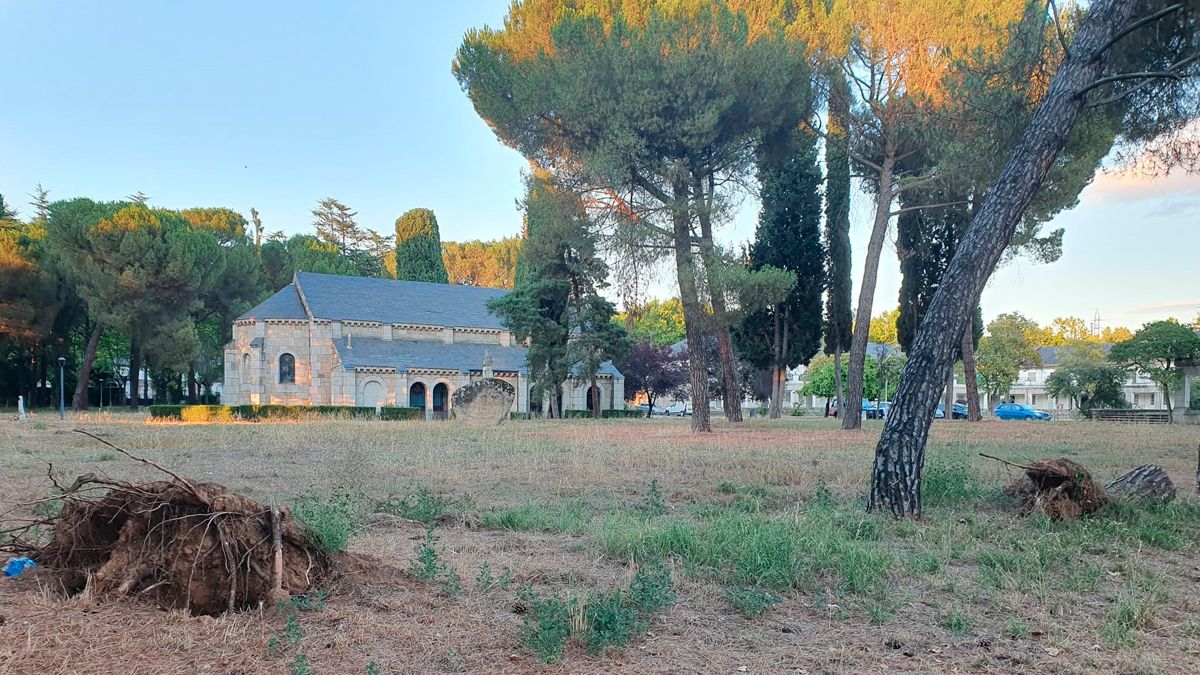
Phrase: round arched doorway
(416, 397)
(441, 401)
(591, 398)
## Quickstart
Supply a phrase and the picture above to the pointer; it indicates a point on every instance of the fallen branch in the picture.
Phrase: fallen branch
(1022, 467)
(179, 479)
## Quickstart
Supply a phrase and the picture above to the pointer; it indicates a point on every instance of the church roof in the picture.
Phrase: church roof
(340, 298)
(410, 354)
(283, 305)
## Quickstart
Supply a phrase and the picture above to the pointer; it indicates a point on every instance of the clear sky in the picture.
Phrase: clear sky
(277, 105)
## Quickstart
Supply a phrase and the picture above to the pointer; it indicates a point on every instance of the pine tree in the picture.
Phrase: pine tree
(419, 248)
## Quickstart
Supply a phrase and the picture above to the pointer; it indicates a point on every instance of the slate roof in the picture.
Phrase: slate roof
(389, 301)
(340, 298)
(461, 356)
(283, 305)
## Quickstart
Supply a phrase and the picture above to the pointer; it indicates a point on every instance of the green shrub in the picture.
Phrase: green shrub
(166, 411)
(329, 519)
(653, 503)
(547, 625)
(205, 413)
(422, 505)
(604, 414)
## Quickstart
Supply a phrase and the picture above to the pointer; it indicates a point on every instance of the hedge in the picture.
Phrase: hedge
(227, 413)
(605, 414)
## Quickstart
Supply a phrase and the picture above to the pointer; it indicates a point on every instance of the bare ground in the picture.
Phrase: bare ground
(379, 613)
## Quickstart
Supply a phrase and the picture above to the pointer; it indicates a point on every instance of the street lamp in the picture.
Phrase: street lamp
(62, 389)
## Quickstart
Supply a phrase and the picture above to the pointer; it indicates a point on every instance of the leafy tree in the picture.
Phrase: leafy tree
(1157, 349)
(1113, 334)
(281, 259)
(651, 370)
(657, 321)
(596, 338)
(139, 270)
(32, 303)
(1112, 46)
(819, 377)
(560, 272)
(1090, 381)
(336, 226)
(491, 264)
(649, 108)
(884, 329)
(787, 333)
(419, 248)
(1008, 347)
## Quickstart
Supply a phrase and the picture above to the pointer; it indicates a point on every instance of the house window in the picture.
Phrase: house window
(245, 367)
(287, 369)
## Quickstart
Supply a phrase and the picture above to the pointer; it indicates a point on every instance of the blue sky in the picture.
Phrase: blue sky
(277, 105)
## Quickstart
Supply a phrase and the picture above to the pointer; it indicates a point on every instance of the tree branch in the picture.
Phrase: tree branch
(1138, 24)
(926, 206)
(1062, 39)
(1170, 73)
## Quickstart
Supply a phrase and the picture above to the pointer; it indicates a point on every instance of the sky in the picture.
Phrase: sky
(277, 105)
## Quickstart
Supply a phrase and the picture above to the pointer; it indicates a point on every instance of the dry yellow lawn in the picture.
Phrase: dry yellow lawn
(972, 588)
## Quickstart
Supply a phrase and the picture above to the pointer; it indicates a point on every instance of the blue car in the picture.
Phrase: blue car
(1019, 411)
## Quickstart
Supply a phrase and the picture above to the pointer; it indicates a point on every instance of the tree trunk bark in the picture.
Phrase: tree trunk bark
(594, 394)
(693, 314)
(837, 375)
(43, 391)
(191, 382)
(731, 399)
(135, 367)
(776, 366)
(968, 354)
(79, 401)
(851, 408)
(948, 396)
(900, 453)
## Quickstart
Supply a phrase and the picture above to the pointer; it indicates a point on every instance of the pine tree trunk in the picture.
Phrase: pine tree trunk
(693, 314)
(776, 364)
(851, 408)
(135, 367)
(837, 375)
(79, 400)
(43, 391)
(731, 400)
(900, 453)
(191, 382)
(948, 396)
(968, 354)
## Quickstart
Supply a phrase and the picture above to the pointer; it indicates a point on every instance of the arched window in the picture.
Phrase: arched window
(287, 369)
(245, 367)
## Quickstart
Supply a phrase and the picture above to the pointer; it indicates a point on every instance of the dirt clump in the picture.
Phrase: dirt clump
(1060, 488)
(192, 546)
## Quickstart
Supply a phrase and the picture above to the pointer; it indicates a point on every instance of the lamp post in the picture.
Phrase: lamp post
(62, 389)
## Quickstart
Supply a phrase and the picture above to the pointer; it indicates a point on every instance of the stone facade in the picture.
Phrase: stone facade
(360, 362)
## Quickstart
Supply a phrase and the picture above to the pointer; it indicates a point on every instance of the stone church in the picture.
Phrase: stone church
(356, 341)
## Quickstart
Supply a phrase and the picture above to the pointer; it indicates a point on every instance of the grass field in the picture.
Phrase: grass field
(553, 541)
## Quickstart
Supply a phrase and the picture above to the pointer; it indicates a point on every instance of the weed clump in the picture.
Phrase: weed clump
(330, 519)
(602, 621)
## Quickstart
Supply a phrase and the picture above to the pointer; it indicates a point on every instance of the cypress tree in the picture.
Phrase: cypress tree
(839, 320)
(419, 248)
(788, 237)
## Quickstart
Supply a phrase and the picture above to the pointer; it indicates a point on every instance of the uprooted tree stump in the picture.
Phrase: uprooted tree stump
(1060, 488)
(1148, 482)
(192, 546)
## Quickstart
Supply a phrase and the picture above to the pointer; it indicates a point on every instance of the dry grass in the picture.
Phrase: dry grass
(972, 588)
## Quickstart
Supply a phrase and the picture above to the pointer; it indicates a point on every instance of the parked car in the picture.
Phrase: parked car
(677, 409)
(869, 410)
(1019, 411)
(958, 412)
